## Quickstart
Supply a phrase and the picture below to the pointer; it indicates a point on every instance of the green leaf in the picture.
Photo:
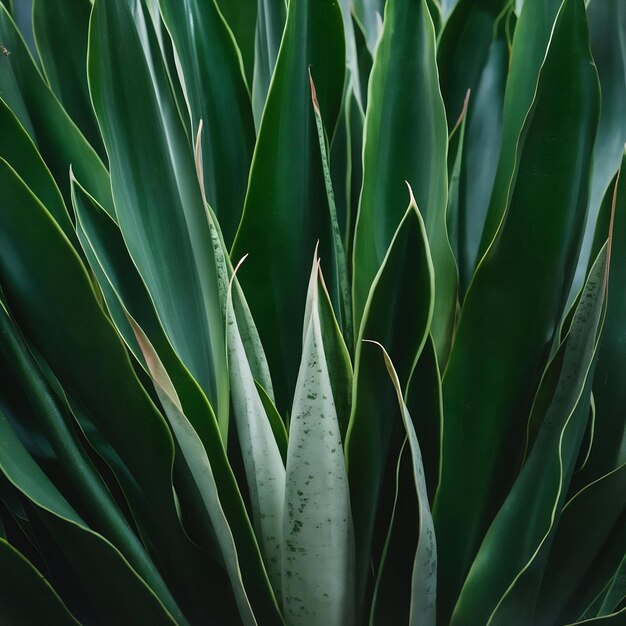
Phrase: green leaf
(125, 294)
(318, 536)
(397, 315)
(503, 583)
(586, 530)
(107, 584)
(607, 451)
(341, 293)
(288, 177)
(370, 14)
(61, 29)
(240, 15)
(473, 54)
(417, 552)
(425, 404)
(405, 140)
(17, 148)
(196, 458)
(270, 24)
(40, 113)
(515, 302)
(158, 221)
(60, 316)
(265, 470)
(533, 32)
(607, 33)
(81, 472)
(217, 94)
(26, 597)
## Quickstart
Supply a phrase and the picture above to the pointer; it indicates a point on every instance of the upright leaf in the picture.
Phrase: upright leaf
(286, 210)
(405, 140)
(270, 24)
(318, 537)
(503, 583)
(265, 471)
(60, 142)
(217, 95)
(414, 553)
(146, 141)
(61, 30)
(530, 41)
(397, 315)
(515, 301)
(607, 32)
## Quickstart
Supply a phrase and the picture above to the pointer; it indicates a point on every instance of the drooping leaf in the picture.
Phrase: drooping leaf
(318, 536)
(288, 177)
(515, 301)
(73, 335)
(18, 149)
(113, 578)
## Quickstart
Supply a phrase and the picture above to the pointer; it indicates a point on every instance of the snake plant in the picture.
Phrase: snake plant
(312, 312)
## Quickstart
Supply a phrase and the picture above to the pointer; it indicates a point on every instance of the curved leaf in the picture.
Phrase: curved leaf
(26, 597)
(515, 301)
(585, 531)
(405, 140)
(217, 95)
(533, 33)
(418, 550)
(18, 149)
(61, 28)
(40, 113)
(288, 177)
(503, 583)
(397, 315)
(81, 545)
(158, 221)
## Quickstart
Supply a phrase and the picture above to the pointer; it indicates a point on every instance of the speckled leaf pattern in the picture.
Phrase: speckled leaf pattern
(200, 469)
(318, 541)
(264, 466)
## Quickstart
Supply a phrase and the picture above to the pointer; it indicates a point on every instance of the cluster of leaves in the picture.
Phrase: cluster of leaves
(432, 431)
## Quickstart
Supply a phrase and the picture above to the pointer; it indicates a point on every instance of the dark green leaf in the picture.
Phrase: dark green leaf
(146, 141)
(405, 140)
(217, 94)
(288, 177)
(515, 302)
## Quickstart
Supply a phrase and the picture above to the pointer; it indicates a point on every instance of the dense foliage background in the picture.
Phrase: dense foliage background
(407, 405)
